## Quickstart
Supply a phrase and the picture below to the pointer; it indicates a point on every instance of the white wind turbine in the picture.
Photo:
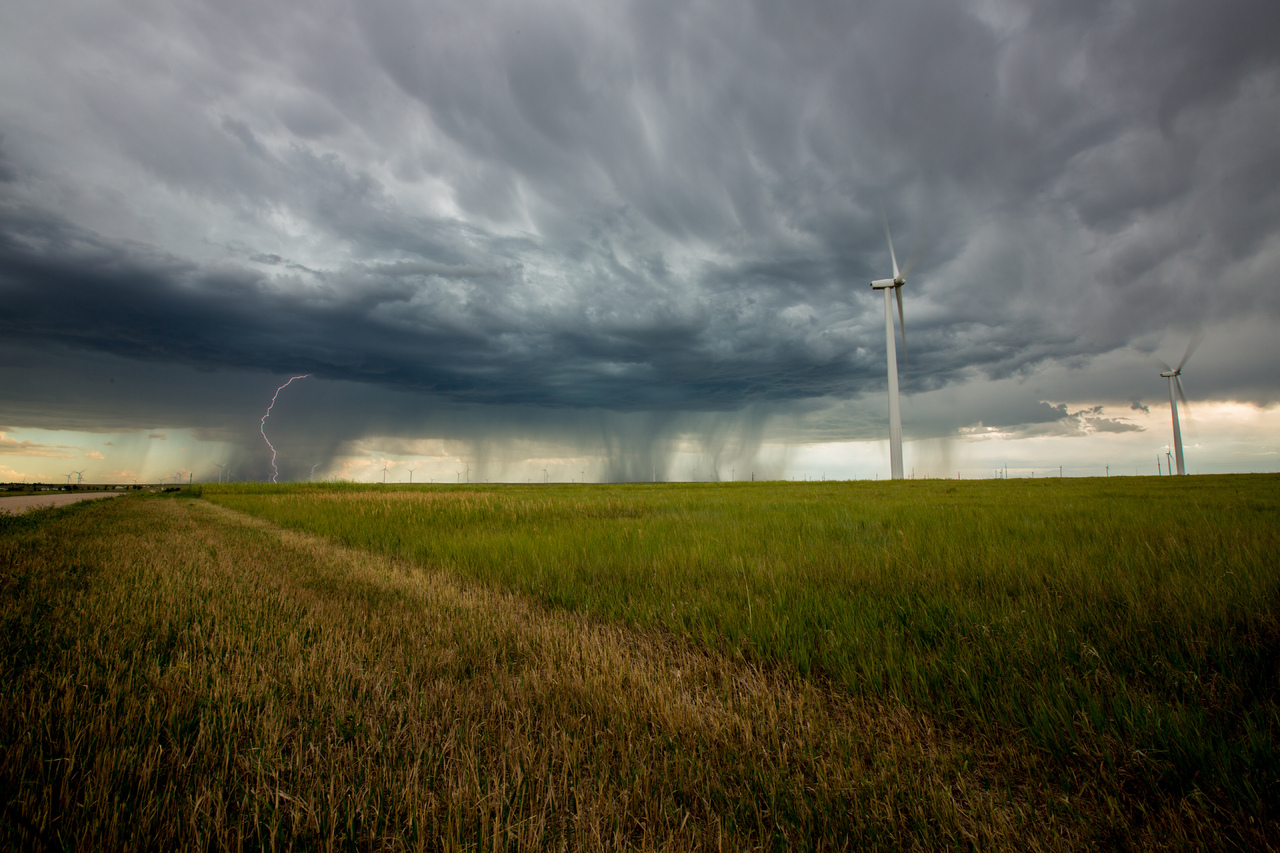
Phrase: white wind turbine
(1175, 382)
(895, 410)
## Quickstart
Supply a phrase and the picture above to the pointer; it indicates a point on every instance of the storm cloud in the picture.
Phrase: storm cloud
(664, 209)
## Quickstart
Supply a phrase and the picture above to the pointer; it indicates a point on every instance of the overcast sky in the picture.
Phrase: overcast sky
(632, 237)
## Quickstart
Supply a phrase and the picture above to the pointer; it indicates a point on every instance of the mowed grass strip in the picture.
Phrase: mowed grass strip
(178, 675)
(1124, 627)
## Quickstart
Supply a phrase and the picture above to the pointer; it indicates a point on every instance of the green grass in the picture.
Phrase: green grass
(1127, 625)
(178, 676)
(929, 664)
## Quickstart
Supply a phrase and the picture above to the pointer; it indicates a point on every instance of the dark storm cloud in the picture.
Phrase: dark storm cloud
(316, 420)
(655, 206)
(464, 333)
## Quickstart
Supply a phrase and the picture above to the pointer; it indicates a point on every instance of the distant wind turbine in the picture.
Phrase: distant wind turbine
(411, 476)
(80, 475)
(891, 354)
(545, 476)
(1173, 374)
(384, 473)
(220, 467)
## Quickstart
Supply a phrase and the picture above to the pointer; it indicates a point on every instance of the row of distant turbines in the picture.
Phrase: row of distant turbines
(895, 284)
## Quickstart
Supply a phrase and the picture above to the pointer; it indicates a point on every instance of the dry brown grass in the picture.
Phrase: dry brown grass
(178, 675)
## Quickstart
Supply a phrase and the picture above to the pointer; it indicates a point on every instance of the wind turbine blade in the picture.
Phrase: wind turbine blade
(1196, 337)
(1188, 419)
(902, 323)
(920, 244)
(887, 236)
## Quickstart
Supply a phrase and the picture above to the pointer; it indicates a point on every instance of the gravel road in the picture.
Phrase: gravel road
(23, 503)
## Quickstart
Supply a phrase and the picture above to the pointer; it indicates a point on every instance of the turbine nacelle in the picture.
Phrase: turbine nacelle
(1170, 374)
(881, 284)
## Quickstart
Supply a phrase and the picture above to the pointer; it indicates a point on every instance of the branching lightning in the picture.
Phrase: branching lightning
(262, 427)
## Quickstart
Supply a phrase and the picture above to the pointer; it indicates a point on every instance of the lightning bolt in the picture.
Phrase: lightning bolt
(262, 427)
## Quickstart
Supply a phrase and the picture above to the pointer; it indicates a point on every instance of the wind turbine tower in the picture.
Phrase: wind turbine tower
(1173, 374)
(893, 285)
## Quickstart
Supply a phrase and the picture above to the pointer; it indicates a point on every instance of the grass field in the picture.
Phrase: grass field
(1007, 664)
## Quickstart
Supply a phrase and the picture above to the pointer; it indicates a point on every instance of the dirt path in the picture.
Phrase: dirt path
(21, 504)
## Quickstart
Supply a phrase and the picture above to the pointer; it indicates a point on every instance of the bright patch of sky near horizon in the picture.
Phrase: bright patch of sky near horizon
(1217, 439)
(633, 236)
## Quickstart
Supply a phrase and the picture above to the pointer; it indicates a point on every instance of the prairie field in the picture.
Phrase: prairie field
(1003, 664)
